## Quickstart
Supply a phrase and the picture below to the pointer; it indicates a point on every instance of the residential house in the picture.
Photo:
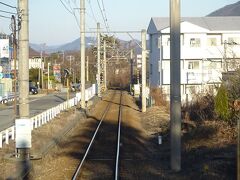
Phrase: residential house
(209, 46)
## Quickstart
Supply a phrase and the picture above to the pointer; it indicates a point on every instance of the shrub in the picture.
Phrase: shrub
(199, 110)
(221, 104)
(158, 96)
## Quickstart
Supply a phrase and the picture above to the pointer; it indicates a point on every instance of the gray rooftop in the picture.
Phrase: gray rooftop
(220, 23)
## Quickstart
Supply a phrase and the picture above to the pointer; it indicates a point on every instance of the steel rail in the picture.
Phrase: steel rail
(118, 138)
(77, 172)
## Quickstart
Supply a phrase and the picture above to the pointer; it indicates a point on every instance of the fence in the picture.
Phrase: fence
(44, 117)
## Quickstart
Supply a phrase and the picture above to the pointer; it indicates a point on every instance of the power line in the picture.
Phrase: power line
(105, 13)
(5, 17)
(8, 5)
(93, 15)
(105, 20)
(7, 12)
(64, 5)
(114, 32)
(71, 11)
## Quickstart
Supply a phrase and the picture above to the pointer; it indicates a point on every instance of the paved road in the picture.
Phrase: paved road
(38, 104)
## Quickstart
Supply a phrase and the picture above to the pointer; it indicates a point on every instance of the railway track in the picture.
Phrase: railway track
(104, 145)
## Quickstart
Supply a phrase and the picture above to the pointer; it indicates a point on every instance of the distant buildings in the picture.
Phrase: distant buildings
(209, 46)
(7, 64)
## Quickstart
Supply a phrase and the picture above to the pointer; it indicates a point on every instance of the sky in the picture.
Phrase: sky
(51, 23)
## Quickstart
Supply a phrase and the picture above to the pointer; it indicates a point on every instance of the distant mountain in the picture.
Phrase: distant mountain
(42, 47)
(229, 10)
(75, 45)
(72, 46)
(33, 53)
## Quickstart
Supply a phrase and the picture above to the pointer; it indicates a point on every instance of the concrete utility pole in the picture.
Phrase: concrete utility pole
(13, 19)
(82, 34)
(98, 61)
(23, 124)
(225, 56)
(42, 64)
(144, 70)
(24, 60)
(39, 71)
(87, 69)
(131, 70)
(48, 76)
(105, 65)
(175, 77)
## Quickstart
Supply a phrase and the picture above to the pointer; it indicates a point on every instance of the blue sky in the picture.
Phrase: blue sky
(52, 24)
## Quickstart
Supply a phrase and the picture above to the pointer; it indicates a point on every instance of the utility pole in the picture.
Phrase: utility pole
(48, 77)
(98, 61)
(175, 85)
(104, 65)
(144, 70)
(225, 57)
(13, 19)
(42, 64)
(70, 66)
(23, 124)
(82, 34)
(39, 71)
(87, 69)
(131, 70)
(238, 149)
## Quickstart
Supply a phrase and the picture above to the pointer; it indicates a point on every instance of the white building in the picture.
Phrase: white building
(209, 46)
(34, 62)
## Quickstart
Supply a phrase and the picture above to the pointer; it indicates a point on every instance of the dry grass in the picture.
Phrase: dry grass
(159, 98)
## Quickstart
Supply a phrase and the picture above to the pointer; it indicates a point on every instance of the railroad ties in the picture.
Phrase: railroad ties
(106, 139)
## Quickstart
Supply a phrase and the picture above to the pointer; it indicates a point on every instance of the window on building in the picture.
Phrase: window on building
(191, 90)
(195, 42)
(166, 65)
(216, 65)
(151, 69)
(234, 40)
(166, 40)
(193, 65)
(212, 41)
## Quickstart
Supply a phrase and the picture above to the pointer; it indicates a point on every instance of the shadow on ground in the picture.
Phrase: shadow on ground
(142, 158)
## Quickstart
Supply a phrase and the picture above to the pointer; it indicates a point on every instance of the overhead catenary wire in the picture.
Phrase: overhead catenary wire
(105, 14)
(104, 18)
(71, 10)
(8, 5)
(8, 12)
(93, 15)
(5, 17)
(64, 5)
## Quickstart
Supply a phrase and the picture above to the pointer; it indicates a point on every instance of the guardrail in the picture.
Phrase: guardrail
(46, 116)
